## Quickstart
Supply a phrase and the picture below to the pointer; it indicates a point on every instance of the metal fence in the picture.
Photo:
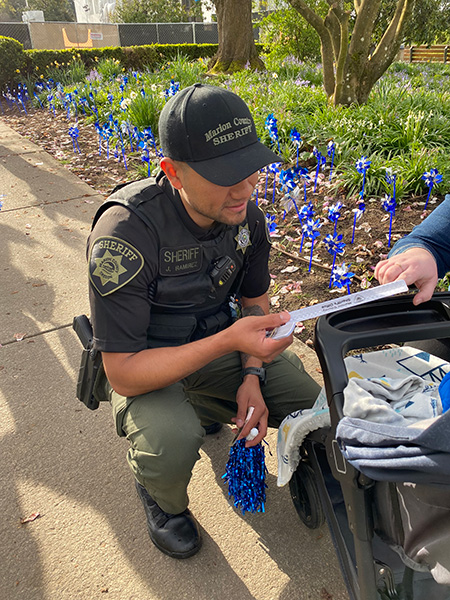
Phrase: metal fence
(136, 34)
(56, 36)
(18, 31)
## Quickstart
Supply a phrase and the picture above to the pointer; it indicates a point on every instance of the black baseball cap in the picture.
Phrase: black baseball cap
(211, 129)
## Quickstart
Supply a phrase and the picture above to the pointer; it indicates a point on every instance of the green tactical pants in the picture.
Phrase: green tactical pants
(164, 426)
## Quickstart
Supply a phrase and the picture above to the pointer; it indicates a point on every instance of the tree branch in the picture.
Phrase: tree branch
(326, 45)
(389, 44)
(343, 18)
(363, 29)
(333, 26)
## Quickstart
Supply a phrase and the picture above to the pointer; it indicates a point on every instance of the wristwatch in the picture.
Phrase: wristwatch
(259, 371)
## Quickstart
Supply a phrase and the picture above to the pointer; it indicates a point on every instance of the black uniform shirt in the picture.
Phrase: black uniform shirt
(121, 318)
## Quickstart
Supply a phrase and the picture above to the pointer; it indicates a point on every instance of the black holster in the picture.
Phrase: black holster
(91, 361)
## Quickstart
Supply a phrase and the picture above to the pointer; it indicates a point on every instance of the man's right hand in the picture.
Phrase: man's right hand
(415, 266)
(250, 336)
(134, 373)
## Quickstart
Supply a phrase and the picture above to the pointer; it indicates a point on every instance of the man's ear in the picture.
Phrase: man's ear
(172, 170)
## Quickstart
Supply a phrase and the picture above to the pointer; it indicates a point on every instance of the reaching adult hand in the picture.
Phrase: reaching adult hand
(415, 266)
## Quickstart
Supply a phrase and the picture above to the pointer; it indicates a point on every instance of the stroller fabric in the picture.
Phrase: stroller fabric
(393, 431)
(393, 363)
(414, 520)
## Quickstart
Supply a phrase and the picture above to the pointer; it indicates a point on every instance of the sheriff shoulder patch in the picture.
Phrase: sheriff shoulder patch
(112, 264)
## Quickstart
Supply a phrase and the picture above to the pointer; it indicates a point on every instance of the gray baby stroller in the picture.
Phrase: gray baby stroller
(387, 533)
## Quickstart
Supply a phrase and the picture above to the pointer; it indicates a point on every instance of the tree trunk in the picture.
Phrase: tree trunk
(349, 71)
(236, 44)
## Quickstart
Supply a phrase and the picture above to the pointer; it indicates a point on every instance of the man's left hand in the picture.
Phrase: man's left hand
(249, 394)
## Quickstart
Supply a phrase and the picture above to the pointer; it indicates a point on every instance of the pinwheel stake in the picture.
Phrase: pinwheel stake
(271, 125)
(311, 230)
(431, 178)
(334, 246)
(331, 148)
(296, 139)
(334, 212)
(74, 133)
(321, 160)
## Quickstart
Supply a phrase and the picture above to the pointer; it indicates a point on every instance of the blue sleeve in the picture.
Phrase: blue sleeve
(433, 234)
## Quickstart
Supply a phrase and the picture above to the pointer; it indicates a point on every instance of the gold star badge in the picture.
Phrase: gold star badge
(109, 268)
(243, 238)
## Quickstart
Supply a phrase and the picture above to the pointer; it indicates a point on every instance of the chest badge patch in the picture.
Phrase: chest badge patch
(112, 264)
(243, 238)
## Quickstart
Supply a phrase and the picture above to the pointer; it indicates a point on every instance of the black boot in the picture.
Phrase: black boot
(213, 428)
(175, 535)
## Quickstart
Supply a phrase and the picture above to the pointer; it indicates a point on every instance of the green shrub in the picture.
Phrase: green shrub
(109, 67)
(73, 71)
(13, 60)
(144, 58)
(144, 111)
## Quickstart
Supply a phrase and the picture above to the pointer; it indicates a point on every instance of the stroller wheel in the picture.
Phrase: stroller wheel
(305, 495)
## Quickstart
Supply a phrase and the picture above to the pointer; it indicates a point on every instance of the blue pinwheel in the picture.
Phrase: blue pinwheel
(334, 212)
(67, 101)
(431, 178)
(22, 97)
(334, 246)
(37, 98)
(149, 137)
(288, 183)
(321, 160)
(136, 135)
(145, 156)
(100, 136)
(126, 129)
(391, 179)
(287, 180)
(74, 133)
(107, 133)
(389, 205)
(307, 212)
(358, 212)
(310, 230)
(271, 223)
(83, 103)
(271, 125)
(341, 277)
(331, 149)
(173, 88)
(305, 177)
(296, 139)
(274, 168)
(51, 103)
(362, 164)
(118, 129)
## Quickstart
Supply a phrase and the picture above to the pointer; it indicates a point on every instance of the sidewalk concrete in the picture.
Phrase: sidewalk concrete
(66, 462)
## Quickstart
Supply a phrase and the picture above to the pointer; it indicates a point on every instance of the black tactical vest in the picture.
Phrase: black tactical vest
(196, 279)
